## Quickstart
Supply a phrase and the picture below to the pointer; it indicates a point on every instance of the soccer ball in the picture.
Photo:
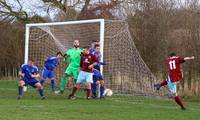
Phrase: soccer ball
(108, 92)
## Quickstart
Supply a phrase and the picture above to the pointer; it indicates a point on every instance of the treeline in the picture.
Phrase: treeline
(158, 27)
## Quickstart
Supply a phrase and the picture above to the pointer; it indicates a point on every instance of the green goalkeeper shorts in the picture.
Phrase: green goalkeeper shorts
(72, 72)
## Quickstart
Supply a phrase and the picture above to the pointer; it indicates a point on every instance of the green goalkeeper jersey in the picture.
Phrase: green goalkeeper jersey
(73, 57)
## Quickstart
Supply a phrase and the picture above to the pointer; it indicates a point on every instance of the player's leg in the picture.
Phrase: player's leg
(63, 82)
(88, 89)
(100, 83)
(89, 81)
(69, 84)
(73, 90)
(45, 73)
(159, 85)
(51, 76)
(81, 79)
(173, 90)
(102, 88)
(75, 75)
(95, 84)
(94, 88)
(21, 84)
(39, 87)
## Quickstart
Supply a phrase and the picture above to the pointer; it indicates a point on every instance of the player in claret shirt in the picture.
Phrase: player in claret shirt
(88, 61)
(174, 68)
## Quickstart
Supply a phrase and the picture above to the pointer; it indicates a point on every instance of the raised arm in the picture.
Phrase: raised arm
(189, 58)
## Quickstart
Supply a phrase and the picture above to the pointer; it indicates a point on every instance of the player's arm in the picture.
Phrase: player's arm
(189, 58)
(21, 74)
(36, 73)
(66, 56)
(96, 61)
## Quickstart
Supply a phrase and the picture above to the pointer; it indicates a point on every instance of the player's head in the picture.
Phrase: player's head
(86, 50)
(59, 54)
(97, 47)
(172, 54)
(31, 61)
(94, 42)
(76, 43)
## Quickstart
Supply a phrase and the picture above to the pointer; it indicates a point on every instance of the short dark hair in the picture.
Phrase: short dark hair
(96, 45)
(31, 59)
(86, 47)
(59, 53)
(95, 41)
(172, 54)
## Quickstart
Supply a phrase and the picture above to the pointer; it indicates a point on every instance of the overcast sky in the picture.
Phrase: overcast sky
(32, 7)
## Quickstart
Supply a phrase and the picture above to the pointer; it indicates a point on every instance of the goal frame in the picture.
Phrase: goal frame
(102, 31)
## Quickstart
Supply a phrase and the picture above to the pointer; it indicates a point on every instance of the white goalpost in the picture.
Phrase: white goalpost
(125, 72)
(28, 26)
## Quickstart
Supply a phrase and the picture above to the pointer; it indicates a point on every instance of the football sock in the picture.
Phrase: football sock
(74, 82)
(99, 91)
(63, 82)
(41, 92)
(20, 89)
(102, 90)
(94, 87)
(42, 81)
(52, 85)
(88, 92)
(74, 89)
(178, 101)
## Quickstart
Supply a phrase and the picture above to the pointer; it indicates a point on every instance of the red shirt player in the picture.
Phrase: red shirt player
(174, 68)
(88, 61)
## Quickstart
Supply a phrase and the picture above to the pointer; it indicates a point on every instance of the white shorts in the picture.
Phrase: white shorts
(85, 77)
(171, 86)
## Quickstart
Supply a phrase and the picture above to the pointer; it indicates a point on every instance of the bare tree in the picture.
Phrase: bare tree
(7, 12)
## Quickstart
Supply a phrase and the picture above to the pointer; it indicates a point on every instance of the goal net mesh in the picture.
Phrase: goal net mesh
(125, 72)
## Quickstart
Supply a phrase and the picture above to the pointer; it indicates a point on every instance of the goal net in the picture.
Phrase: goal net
(125, 72)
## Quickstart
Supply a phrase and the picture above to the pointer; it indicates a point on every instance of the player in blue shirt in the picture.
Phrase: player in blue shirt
(98, 81)
(48, 69)
(29, 74)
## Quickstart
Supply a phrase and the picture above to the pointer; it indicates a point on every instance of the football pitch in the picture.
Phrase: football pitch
(58, 107)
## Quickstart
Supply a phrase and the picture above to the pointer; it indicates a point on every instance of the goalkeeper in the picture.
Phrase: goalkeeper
(73, 57)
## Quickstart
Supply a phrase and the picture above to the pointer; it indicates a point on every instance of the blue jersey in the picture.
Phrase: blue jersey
(92, 50)
(51, 63)
(28, 70)
(98, 56)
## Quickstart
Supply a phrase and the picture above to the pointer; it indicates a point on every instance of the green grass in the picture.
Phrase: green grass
(30, 107)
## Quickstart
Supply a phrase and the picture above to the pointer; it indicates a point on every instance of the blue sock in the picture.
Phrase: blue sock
(41, 92)
(20, 89)
(102, 90)
(52, 85)
(42, 81)
(94, 88)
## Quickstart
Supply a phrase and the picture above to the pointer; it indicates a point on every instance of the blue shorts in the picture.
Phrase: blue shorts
(171, 86)
(84, 77)
(30, 82)
(97, 75)
(47, 73)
